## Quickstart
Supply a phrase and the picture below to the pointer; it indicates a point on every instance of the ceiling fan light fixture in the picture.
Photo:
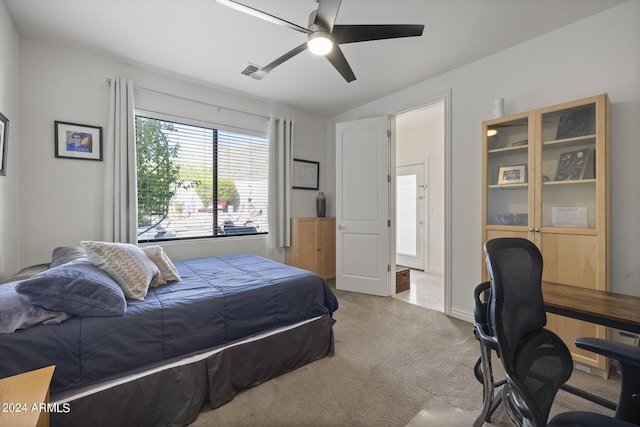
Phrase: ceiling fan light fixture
(323, 33)
(320, 43)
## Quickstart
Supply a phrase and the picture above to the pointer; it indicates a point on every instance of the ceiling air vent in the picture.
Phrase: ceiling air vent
(250, 70)
(254, 72)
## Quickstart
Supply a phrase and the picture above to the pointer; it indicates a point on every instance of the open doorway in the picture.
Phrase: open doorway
(420, 202)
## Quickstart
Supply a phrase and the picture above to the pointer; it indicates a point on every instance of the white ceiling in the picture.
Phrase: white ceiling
(205, 41)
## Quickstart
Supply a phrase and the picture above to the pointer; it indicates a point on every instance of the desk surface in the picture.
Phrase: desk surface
(606, 308)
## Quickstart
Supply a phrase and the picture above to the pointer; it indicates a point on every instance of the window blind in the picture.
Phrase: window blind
(197, 181)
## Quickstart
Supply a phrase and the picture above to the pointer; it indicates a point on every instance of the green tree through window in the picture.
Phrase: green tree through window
(158, 175)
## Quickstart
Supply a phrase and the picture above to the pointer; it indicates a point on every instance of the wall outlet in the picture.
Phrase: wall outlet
(629, 338)
(583, 368)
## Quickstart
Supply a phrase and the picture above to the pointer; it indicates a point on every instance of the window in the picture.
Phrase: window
(196, 182)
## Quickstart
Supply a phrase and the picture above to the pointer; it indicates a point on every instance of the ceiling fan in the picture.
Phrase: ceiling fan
(324, 36)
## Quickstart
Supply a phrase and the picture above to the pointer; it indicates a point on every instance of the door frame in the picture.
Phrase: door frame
(445, 97)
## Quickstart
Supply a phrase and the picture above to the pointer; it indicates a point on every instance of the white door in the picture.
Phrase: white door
(363, 257)
(410, 223)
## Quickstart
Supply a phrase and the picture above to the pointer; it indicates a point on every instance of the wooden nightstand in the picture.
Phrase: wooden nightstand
(21, 397)
(313, 246)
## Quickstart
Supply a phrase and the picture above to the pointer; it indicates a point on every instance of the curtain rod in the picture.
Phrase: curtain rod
(195, 100)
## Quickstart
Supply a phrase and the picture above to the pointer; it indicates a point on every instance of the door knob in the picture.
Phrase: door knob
(340, 227)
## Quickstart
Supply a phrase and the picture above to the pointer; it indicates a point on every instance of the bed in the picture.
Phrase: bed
(230, 323)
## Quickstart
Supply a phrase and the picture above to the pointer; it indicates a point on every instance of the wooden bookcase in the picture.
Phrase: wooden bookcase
(546, 179)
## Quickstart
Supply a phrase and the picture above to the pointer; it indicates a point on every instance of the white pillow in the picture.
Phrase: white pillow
(168, 271)
(127, 264)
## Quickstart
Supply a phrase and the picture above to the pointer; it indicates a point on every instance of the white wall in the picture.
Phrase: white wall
(599, 54)
(9, 107)
(61, 199)
(420, 139)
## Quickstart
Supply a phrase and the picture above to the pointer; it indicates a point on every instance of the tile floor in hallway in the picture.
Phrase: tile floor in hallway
(426, 289)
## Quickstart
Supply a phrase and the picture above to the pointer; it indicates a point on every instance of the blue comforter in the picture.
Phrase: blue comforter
(219, 301)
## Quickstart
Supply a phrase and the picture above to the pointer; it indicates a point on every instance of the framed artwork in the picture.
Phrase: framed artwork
(512, 174)
(574, 165)
(305, 174)
(75, 141)
(4, 135)
(573, 124)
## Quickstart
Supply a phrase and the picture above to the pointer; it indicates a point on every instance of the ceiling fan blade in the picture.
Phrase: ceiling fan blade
(262, 15)
(337, 59)
(326, 14)
(293, 52)
(363, 33)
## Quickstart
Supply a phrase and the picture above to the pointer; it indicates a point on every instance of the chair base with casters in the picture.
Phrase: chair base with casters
(483, 369)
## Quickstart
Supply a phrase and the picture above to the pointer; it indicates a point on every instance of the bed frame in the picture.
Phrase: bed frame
(173, 394)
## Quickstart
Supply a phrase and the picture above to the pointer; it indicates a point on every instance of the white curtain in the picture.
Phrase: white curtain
(120, 202)
(280, 152)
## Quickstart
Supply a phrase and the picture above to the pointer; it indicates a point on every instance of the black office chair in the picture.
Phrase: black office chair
(535, 360)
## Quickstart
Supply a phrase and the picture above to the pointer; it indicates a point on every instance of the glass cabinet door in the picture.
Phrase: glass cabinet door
(507, 145)
(569, 168)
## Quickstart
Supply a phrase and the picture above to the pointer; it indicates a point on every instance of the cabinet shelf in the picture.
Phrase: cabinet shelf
(507, 228)
(570, 182)
(570, 142)
(508, 150)
(508, 186)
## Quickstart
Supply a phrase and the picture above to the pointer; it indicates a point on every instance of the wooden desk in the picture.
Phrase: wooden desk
(602, 307)
(605, 308)
(21, 396)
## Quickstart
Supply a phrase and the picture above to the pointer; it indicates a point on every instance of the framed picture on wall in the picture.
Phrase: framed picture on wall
(305, 174)
(75, 141)
(4, 135)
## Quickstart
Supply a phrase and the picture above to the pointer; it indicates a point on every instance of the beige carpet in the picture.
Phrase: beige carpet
(396, 364)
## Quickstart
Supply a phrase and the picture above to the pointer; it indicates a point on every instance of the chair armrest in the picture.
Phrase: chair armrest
(481, 323)
(629, 358)
(479, 306)
(623, 353)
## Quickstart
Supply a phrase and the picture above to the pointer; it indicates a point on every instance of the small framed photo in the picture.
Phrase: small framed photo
(75, 141)
(305, 174)
(4, 135)
(512, 174)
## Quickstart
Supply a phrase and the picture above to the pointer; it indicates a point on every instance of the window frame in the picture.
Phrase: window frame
(215, 127)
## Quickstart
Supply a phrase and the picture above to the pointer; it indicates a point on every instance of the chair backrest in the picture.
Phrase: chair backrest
(516, 308)
(535, 360)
